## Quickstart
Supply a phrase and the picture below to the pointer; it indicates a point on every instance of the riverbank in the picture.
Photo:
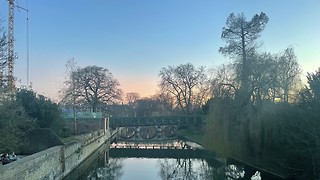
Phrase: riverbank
(195, 136)
(275, 170)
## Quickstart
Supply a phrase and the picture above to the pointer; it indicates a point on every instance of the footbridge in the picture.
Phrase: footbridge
(156, 121)
(146, 133)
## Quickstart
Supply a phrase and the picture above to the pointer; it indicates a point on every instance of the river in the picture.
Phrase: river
(175, 159)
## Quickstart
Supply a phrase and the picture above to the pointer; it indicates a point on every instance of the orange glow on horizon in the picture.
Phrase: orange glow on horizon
(146, 87)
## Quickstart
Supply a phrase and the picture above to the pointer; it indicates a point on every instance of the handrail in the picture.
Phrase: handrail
(156, 120)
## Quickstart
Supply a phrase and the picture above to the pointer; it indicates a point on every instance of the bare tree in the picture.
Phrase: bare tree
(132, 99)
(263, 79)
(240, 36)
(186, 84)
(165, 103)
(223, 81)
(93, 87)
(289, 72)
(69, 93)
(157, 105)
(271, 76)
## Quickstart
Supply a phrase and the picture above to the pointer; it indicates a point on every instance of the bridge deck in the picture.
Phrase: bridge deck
(156, 121)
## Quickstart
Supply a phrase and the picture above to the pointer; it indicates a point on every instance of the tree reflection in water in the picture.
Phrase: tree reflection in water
(176, 169)
(192, 169)
(112, 171)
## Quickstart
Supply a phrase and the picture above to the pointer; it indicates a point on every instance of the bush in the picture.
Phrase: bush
(14, 123)
(46, 112)
(39, 140)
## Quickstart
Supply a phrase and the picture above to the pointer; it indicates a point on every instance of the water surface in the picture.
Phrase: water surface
(162, 164)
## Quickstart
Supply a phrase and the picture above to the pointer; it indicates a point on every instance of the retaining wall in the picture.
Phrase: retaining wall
(55, 162)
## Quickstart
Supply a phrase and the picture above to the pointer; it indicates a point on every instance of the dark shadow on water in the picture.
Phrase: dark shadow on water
(97, 166)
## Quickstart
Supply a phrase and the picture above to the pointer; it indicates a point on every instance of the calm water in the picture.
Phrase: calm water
(161, 164)
(146, 168)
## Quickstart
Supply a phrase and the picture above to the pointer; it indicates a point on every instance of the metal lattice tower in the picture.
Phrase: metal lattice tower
(11, 80)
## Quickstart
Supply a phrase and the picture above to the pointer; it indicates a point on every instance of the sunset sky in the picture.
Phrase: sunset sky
(134, 39)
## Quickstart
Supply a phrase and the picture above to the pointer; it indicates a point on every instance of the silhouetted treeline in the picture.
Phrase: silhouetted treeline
(259, 113)
(274, 135)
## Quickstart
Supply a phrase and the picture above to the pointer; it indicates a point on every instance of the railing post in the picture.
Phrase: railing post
(63, 158)
(106, 124)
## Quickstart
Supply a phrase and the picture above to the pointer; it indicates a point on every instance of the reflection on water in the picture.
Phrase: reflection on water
(183, 169)
(197, 169)
(165, 169)
(112, 170)
(163, 164)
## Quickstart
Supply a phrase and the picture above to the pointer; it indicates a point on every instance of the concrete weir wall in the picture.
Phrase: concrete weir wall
(55, 162)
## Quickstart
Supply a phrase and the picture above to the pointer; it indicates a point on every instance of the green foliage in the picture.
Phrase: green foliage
(239, 30)
(46, 112)
(309, 98)
(14, 123)
(305, 130)
(39, 140)
(216, 137)
(279, 136)
(300, 133)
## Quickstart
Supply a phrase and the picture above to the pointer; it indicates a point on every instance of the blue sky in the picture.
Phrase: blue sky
(134, 39)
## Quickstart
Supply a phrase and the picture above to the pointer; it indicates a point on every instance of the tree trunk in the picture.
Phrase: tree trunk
(245, 71)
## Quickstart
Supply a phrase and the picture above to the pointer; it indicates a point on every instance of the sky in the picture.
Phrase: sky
(134, 39)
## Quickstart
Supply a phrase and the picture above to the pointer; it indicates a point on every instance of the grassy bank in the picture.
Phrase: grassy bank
(196, 136)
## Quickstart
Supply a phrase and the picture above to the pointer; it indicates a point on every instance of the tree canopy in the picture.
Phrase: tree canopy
(92, 87)
(187, 84)
(15, 124)
(240, 36)
(46, 113)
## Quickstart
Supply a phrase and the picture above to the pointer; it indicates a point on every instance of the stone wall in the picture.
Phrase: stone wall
(55, 162)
